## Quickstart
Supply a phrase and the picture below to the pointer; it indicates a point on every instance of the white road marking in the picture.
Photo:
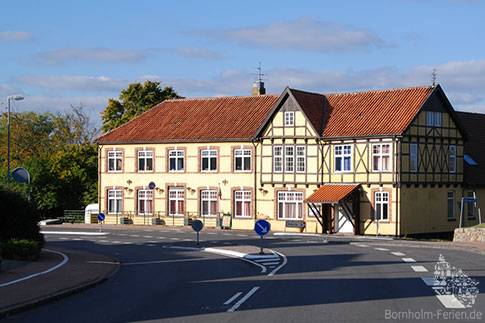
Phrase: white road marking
(63, 238)
(450, 301)
(399, 254)
(419, 269)
(77, 239)
(187, 239)
(227, 234)
(116, 242)
(242, 235)
(280, 266)
(75, 233)
(381, 249)
(103, 241)
(65, 259)
(271, 263)
(429, 281)
(174, 238)
(242, 300)
(211, 233)
(126, 242)
(161, 238)
(148, 237)
(134, 235)
(229, 301)
(265, 259)
(152, 241)
(362, 245)
(150, 245)
(408, 260)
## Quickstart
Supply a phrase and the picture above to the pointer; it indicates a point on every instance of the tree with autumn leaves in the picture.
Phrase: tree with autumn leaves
(58, 150)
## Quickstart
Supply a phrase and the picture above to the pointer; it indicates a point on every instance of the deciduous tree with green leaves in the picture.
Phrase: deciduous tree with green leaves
(133, 101)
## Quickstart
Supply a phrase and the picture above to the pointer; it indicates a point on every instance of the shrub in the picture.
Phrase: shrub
(18, 219)
(20, 249)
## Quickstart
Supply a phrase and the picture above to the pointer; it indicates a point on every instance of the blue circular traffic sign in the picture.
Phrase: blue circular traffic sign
(197, 225)
(101, 217)
(262, 227)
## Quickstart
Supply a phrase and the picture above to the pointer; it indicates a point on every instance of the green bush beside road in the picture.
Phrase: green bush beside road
(20, 236)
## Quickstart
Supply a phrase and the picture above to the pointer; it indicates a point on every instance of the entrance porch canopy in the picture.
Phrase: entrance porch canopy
(331, 193)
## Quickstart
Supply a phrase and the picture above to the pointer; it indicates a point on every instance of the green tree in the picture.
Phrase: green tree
(133, 101)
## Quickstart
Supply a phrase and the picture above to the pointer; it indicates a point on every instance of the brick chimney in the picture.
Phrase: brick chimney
(258, 88)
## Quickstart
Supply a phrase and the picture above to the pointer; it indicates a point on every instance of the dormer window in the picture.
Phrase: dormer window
(289, 118)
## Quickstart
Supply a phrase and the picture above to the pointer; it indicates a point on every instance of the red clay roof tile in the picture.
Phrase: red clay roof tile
(331, 193)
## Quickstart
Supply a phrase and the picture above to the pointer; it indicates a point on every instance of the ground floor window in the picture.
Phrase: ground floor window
(145, 202)
(114, 201)
(381, 206)
(470, 205)
(290, 205)
(208, 203)
(242, 204)
(176, 201)
(451, 204)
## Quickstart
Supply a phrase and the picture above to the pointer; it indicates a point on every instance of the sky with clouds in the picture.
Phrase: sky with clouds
(62, 53)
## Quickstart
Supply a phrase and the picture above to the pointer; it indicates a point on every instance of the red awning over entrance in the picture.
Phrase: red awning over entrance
(331, 193)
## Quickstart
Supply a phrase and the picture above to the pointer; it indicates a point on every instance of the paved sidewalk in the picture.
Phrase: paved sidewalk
(82, 270)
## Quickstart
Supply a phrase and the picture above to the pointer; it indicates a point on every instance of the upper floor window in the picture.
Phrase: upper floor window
(452, 159)
(381, 206)
(176, 160)
(343, 158)
(115, 159)
(242, 160)
(278, 159)
(145, 161)
(381, 157)
(208, 160)
(433, 119)
(413, 157)
(114, 201)
(300, 159)
(289, 159)
(289, 118)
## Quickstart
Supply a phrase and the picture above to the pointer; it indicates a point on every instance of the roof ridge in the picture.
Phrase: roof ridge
(221, 97)
(383, 90)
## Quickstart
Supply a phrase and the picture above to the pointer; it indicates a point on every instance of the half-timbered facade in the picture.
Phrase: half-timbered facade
(374, 162)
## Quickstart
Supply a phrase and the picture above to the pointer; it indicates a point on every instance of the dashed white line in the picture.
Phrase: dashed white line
(148, 237)
(399, 254)
(408, 260)
(419, 269)
(230, 300)
(450, 301)
(381, 249)
(174, 238)
(242, 235)
(362, 245)
(242, 300)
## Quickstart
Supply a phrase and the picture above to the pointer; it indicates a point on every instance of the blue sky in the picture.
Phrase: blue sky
(61, 53)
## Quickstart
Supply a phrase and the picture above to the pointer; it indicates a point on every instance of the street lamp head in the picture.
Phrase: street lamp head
(16, 97)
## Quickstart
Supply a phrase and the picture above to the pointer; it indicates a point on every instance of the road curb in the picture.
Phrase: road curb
(7, 311)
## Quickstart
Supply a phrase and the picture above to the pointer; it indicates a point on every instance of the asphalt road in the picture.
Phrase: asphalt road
(319, 279)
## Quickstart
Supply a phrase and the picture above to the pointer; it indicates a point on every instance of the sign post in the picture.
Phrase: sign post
(101, 218)
(197, 225)
(262, 227)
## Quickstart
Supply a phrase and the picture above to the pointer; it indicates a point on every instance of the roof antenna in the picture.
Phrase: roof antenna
(258, 86)
(433, 76)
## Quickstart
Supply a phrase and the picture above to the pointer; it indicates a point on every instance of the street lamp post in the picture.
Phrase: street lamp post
(16, 98)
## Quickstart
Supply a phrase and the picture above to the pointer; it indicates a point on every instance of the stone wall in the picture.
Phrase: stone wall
(469, 235)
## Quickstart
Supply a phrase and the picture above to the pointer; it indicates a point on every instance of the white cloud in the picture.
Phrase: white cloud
(303, 33)
(203, 53)
(15, 36)
(78, 83)
(107, 55)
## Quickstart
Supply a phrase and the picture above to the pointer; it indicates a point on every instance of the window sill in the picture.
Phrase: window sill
(115, 171)
(451, 219)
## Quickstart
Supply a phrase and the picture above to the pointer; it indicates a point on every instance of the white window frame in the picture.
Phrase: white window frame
(381, 156)
(289, 118)
(452, 159)
(342, 152)
(115, 198)
(278, 159)
(209, 154)
(176, 194)
(289, 159)
(300, 159)
(381, 201)
(243, 155)
(210, 197)
(145, 155)
(290, 198)
(115, 157)
(245, 198)
(450, 197)
(176, 155)
(413, 157)
(145, 198)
